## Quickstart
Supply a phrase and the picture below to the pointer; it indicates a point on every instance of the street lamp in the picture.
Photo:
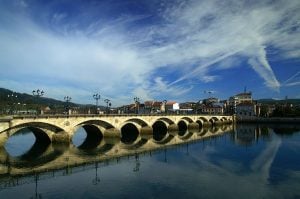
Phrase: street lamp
(38, 93)
(67, 99)
(107, 101)
(137, 101)
(164, 104)
(96, 97)
(11, 98)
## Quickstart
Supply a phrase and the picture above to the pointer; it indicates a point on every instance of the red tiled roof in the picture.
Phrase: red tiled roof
(170, 103)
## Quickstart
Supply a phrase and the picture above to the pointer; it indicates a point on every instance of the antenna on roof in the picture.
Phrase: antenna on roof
(245, 89)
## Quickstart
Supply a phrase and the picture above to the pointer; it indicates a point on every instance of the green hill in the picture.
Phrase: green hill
(8, 97)
(12, 101)
(275, 101)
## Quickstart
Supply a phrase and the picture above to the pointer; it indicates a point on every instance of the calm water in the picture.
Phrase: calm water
(248, 162)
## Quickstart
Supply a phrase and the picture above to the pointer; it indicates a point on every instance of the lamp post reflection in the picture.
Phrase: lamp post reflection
(36, 179)
(137, 163)
(165, 150)
(96, 180)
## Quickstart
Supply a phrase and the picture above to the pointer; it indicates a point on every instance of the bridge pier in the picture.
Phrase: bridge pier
(206, 124)
(112, 133)
(172, 128)
(146, 132)
(218, 123)
(3, 138)
(193, 127)
(61, 137)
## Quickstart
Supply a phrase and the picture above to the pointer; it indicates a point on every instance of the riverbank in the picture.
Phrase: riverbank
(267, 120)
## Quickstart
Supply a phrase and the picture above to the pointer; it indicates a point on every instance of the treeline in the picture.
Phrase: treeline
(286, 111)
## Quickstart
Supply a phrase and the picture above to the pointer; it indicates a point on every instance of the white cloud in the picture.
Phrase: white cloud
(193, 38)
(260, 64)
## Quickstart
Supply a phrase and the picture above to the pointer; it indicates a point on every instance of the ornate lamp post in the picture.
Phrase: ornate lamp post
(67, 99)
(107, 101)
(11, 98)
(137, 101)
(96, 97)
(38, 93)
(164, 104)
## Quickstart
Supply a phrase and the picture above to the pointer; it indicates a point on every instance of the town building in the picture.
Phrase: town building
(243, 105)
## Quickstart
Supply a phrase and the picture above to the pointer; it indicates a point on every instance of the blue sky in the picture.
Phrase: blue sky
(158, 49)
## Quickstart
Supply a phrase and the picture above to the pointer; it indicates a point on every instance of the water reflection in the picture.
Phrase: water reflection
(86, 148)
(205, 164)
(24, 136)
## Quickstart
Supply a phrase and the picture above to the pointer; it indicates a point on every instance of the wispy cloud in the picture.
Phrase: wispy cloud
(212, 31)
(117, 55)
(294, 80)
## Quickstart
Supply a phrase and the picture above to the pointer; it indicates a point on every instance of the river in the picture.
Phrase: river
(243, 161)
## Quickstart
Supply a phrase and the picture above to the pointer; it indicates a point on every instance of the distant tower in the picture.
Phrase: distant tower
(245, 89)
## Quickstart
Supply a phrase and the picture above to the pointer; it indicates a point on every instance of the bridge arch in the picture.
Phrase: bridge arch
(200, 123)
(129, 132)
(42, 132)
(203, 122)
(187, 119)
(39, 124)
(203, 119)
(138, 127)
(223, 119)
(166, 120)
(182, 125)
(100, 123)
(160, 130)
(138, 122)
(33, 125)
(191, 125)
(172, 127)
(94, 136)
(213, 120)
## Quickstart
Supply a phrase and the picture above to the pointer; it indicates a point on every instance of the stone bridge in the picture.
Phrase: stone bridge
(41, 158)
(61, 128)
